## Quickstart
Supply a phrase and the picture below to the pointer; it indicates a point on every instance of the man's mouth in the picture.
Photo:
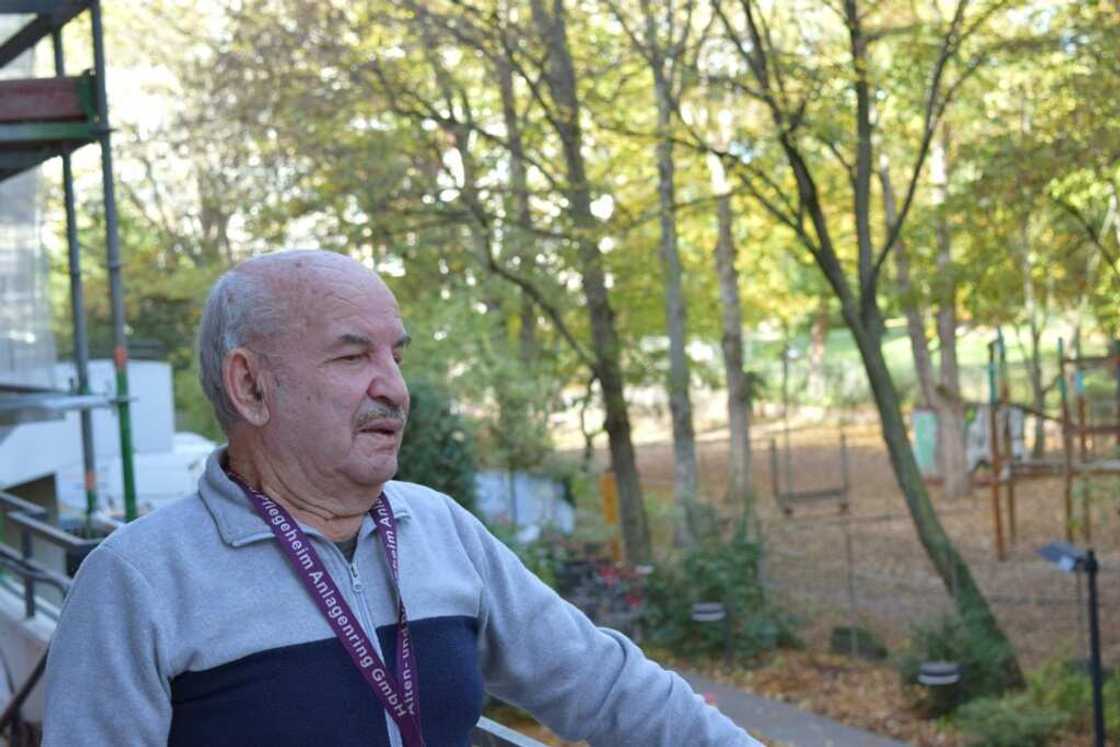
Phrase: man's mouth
(389, 428)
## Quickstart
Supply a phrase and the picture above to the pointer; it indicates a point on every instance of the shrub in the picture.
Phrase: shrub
(1012, 721)
(1067, 688)
(438, 447)
(984, 662)
(714, 571)
(1058, 696)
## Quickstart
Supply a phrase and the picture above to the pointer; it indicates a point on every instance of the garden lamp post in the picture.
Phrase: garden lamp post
(1073, 560)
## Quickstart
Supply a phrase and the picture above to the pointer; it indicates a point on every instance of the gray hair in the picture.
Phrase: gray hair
(242, 308)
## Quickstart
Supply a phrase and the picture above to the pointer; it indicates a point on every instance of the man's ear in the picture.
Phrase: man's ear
(244, 374)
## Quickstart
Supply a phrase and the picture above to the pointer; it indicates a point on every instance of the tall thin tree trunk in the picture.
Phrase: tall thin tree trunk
(1034, 331)
(950, 407)
(523, 216)
(818, 337)
(912, 307)
(731, 342)
(561, 82)
(680, 402)
(1038, 389)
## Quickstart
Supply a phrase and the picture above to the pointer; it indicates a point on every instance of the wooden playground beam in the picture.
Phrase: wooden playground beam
(1075, 429)
(1086, 361)
(1095, 430)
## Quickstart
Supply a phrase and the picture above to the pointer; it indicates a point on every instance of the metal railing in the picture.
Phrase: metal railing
(487, 733)
(33, 523)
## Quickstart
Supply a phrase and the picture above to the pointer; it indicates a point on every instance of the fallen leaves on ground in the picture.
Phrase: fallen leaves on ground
(857, 693)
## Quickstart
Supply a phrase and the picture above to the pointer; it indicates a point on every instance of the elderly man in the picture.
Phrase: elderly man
(302, 597)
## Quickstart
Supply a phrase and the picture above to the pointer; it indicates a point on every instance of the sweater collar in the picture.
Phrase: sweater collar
(237, 522)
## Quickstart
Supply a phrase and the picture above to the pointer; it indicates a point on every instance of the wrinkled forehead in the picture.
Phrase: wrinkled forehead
(326, 295)
(334, 299)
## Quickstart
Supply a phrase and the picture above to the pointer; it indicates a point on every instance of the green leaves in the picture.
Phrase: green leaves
(438, 448)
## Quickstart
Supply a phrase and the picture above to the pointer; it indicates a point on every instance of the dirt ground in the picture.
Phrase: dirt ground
(887, 582)
(867, 566)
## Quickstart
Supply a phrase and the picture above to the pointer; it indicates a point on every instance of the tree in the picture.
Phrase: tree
(790, 93)
(560, 80)
(739, 486)
(438, 446)
(944, 395)
(662, 44)
(427, 170)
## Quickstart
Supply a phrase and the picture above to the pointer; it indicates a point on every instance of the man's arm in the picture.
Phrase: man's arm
(583, 682)
(103, 679)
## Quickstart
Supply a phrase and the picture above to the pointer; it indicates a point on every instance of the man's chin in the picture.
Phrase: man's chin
(373, 475)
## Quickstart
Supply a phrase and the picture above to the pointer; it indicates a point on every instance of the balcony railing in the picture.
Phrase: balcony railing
(489, 733)
(33, 523)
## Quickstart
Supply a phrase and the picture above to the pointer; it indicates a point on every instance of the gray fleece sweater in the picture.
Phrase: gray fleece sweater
(188, 627)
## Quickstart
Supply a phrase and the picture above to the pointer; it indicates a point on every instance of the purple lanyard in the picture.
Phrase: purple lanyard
(399, 698)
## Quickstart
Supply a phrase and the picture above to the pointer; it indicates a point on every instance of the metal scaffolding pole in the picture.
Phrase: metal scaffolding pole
(112, 246)
(77, 306)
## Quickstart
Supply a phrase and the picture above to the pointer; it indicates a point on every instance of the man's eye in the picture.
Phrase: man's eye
(355, 357)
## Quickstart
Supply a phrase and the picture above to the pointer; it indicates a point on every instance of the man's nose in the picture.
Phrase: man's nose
(388, 385)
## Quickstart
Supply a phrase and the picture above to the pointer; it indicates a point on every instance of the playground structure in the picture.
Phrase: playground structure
(1084, 422)
(781, 478)
(783, 483)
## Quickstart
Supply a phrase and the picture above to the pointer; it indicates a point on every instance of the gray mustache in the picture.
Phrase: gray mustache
(382, 411)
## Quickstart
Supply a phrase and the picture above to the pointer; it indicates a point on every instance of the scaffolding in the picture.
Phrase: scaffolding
(1086, 425)
(43, 119)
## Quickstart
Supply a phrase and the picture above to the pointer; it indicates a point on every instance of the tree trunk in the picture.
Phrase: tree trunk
(731, 341)
(560, 79)
(680, 403)
(952, 569)
(912, 307)
(1034, 354)
(1038, 389)
(818, 337)
(521, 233)
(950, 407)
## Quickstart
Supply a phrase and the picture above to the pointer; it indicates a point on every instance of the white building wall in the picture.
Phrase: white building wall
(34, 450)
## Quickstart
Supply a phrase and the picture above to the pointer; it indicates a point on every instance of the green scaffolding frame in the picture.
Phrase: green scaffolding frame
(47, 118)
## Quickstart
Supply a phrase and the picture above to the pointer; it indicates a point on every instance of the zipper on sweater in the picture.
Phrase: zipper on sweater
(365, 619)
(355, 579)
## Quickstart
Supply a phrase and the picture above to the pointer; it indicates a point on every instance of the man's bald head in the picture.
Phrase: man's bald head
(256, 301)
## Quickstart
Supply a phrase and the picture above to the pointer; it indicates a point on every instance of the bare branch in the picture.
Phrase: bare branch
(935, 107)
(1090, 231)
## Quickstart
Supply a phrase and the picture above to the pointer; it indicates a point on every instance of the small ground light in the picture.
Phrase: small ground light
(941, 678)
(1074, 560)
(938, 673)
(712, 612)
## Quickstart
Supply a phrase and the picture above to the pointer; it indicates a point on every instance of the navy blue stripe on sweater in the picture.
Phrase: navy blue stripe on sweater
(311, 693)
